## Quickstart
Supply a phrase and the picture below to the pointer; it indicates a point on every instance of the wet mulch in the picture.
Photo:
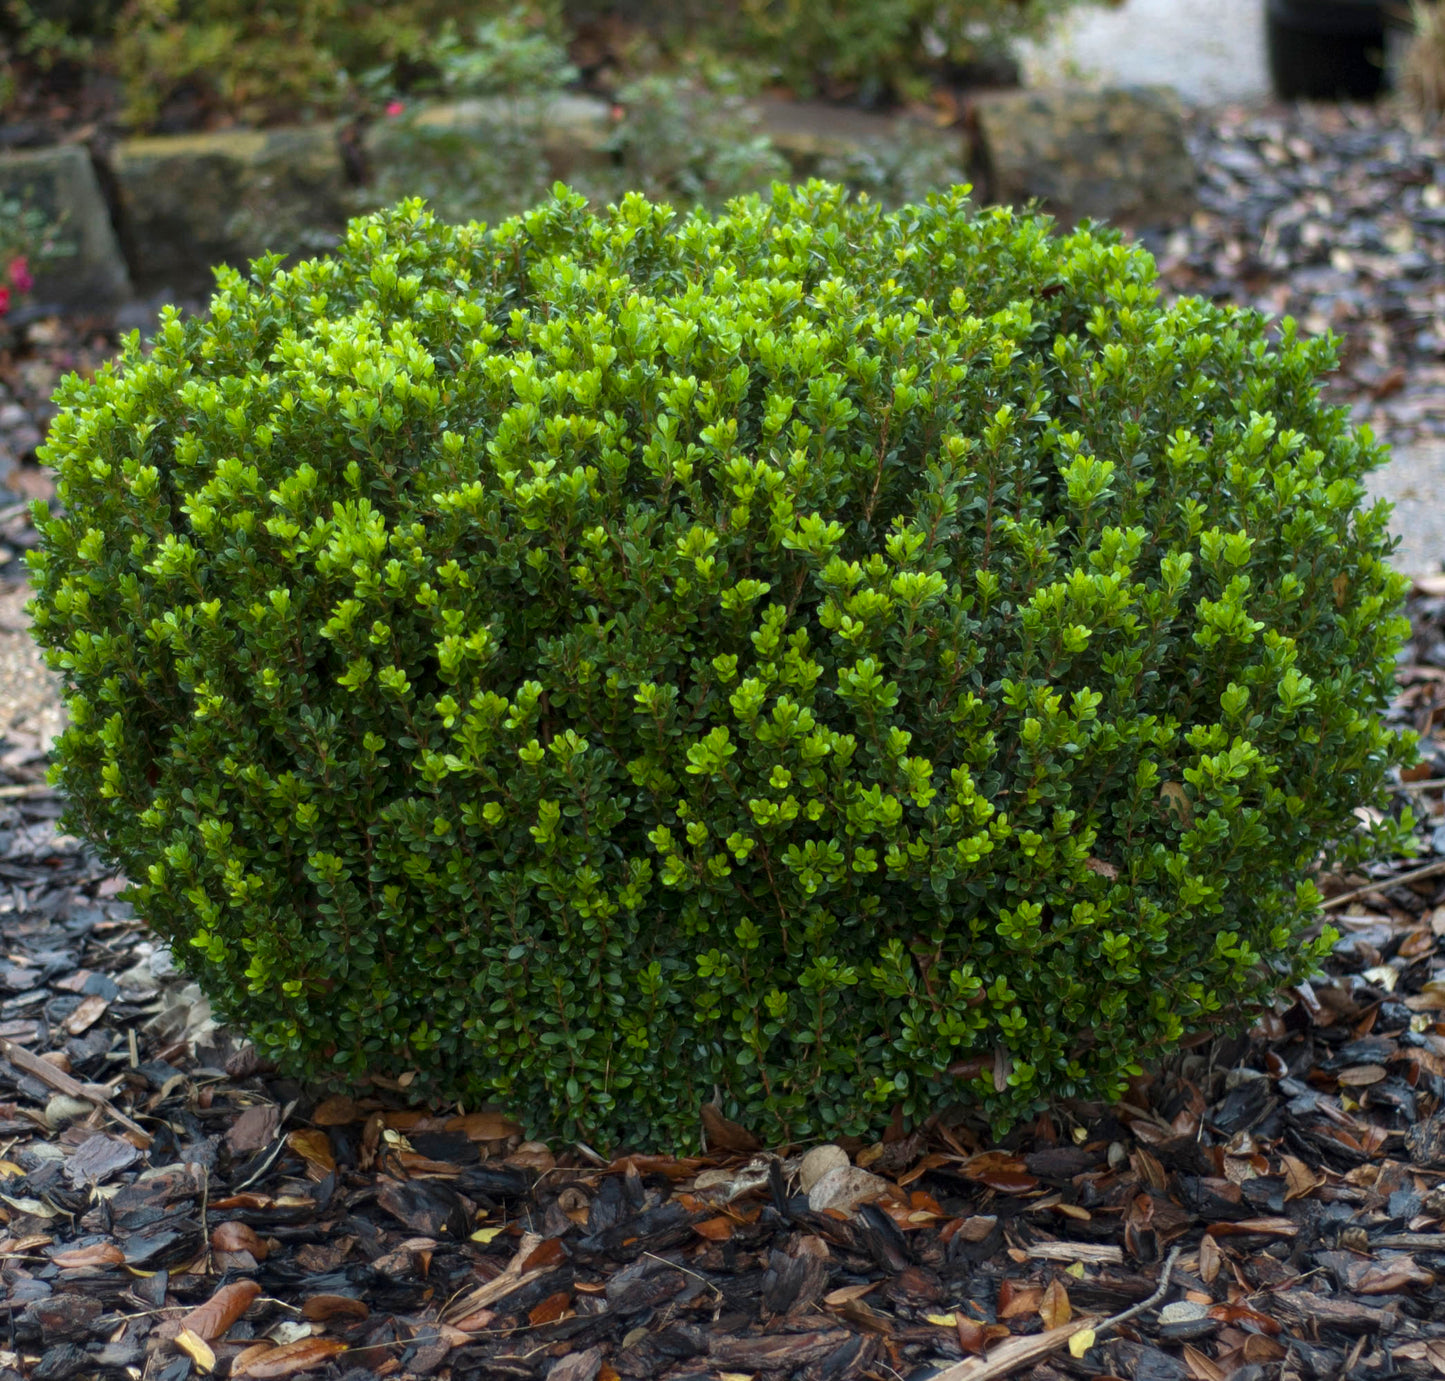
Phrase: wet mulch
(1267, 1206)
(1333, 214)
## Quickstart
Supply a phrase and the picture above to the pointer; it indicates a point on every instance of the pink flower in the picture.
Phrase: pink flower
(20, 278)
(394, 107)
(4, 300)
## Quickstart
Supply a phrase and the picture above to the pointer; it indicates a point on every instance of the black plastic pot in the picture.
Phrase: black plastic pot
(1323, 49)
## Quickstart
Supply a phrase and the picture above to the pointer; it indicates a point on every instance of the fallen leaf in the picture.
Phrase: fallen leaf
(1016, 1301)
(725, 1135)
(485, 1126)
(90, 1011)
(197, 1349)
(485, 1235)
(544, 1256)
(550, 1309)
(1361, 1076)
(1054, 1308)
(846, 1189)
(320, 1308)
(1210, 1259)
(336, 1111)
(1200, 1367)
(942, 1320)
(1299, 1179)
(97, 1254)
(289, 1359)
(212, 1319)
(238, 1237)
(1081, 1342)
(845, 1294)
(314, 1147)
(255, 1128)
(532, 1155)
(972, 1336)
(714, 1229)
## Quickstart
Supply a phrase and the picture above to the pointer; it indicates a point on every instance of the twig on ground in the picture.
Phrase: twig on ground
(26, 789)
(1019, 1352)
(61, 1082)
(1430, 870)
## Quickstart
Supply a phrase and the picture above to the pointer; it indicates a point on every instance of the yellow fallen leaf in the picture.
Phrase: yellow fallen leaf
(1076, 1270)
(197, 1349)
(1081, 1342)
(943, 1320)
(485, 1235)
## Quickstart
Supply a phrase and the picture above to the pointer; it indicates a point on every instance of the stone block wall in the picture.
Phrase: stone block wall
(154, 214)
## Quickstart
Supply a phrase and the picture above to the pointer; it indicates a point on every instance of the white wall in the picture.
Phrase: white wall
(1210, 51)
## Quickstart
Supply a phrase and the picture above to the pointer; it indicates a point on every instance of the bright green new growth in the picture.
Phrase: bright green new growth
(596, 661)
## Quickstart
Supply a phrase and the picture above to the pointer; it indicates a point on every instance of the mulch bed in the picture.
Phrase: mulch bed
(1276, 1201)
(1334, 214)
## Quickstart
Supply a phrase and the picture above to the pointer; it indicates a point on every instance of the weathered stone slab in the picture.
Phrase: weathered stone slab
(1118, 155)
(485, 157)
(190, 201)
(61, 182)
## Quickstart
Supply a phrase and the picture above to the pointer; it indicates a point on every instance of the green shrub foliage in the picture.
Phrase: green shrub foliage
(834, 658)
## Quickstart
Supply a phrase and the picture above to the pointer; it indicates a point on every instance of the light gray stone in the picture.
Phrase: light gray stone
(818, 1162)
(193, 200)
(61, 182)
(1118, 155)
(487, 157)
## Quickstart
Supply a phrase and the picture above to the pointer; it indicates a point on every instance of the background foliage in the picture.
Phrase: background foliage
(815, 657)
(265, 61)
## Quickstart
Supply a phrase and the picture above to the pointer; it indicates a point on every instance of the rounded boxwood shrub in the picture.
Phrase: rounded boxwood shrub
(814, 658)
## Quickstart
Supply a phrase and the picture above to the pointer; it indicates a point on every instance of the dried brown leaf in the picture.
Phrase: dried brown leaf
(725, 1135)
(314, 1147)
(485, 1126)
(1054, 1308)
(336, 1111)
(1200, 1367)
(212, 1319)
(1298, 1177)
(1016, 1300)
(290, 1359)
(550, 1309)
(254, 1128)
(1211, 1259)
(321, 1308)
(238, 1237)
(97, 1254)
(714, 1229)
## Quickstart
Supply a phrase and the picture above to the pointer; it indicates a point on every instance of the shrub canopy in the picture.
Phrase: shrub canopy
(834, 658)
